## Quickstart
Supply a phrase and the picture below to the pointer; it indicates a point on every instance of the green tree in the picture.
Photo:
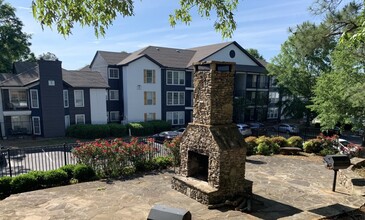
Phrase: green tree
(303, 57)
(100, 14)
(255, 53)
(14, 42)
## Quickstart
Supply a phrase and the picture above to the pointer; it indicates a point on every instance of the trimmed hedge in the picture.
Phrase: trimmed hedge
(84, 173)
(88, 131)
(23, 183)
(5, 186)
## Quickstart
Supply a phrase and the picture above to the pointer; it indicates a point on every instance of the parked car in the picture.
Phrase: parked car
(244, 129)
(180, 130)
(287, 128)
(165, 135)
(258, 128)
(347, 148)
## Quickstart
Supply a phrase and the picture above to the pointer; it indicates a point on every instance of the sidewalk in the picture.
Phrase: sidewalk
(285, 187)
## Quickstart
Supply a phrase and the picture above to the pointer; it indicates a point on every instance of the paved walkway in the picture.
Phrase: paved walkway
(284, 188)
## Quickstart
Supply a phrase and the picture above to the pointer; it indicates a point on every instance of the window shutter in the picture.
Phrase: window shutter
(154, 98)
(145, 98)
(145, 76)
(154, 116)
(145, 116)
(153, 76)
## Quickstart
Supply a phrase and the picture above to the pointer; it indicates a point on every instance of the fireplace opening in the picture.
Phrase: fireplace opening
(198, 165)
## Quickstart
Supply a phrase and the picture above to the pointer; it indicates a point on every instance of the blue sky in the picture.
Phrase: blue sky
(262, 25)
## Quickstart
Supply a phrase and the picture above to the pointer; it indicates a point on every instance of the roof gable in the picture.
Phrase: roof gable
(111, 58)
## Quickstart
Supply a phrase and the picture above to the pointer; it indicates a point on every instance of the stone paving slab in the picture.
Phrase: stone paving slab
(285, 187)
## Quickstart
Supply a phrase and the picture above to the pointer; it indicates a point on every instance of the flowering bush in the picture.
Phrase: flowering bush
(110, 157)
(174, 148)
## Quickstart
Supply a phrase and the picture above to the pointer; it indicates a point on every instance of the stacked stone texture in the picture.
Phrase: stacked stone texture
(213, 134)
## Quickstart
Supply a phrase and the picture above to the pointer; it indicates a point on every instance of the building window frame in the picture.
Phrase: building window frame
(149, 76)
(79, 101)
(149, 98)
(18, 98)
(113, 95)
(66, 100)
(114, 116)
(36, 124)
(113, 73)
(174, 77)
(34, 98)
(150, 116)
(67, 121)
(175, 98)
(78, 117)
(176, 117)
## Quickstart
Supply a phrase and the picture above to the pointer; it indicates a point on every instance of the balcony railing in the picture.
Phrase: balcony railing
(16, 106)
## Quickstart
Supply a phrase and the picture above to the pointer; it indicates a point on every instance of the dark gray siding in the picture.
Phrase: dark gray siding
(116, 84)
(51, 98)
(79, 110)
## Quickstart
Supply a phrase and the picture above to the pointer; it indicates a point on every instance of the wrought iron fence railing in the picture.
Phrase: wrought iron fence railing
(15, 161)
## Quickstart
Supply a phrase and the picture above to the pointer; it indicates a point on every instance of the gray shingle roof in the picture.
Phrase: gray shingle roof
(205, 51)
(174, 57)
(83, 79)
(27, 73)
(113, 58)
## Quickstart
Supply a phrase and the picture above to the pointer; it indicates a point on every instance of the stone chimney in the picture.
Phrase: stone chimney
(213, 152)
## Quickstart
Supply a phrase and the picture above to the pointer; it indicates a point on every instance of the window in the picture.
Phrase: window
(175, 98)
(51, 83)
(274, 97)
(176, 118)
(272, 113)
(175, 77)
(113, 95)
(65, 99)
(36, 125)
(18, 98)
(149, 116)
(149, 76)
(150, 98)
(67, 121)
(79, 98)
(21, 123)
(113, 73)
(80, 119)
(114, 116)
(34, 102)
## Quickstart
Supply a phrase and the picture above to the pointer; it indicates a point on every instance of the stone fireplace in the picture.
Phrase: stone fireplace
(213, 152)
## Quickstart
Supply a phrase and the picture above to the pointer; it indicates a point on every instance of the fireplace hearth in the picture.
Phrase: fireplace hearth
(213, 152)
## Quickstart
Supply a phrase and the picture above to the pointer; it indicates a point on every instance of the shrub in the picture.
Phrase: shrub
(295, 141)
(55, 178)
(5, 186)
(263, 149)
(263, 139)
(160, 126)
(84, 173)
(280, 141)
(88, 131)
(251, 145)
(312, 146)
(69, 169)
(117, 130)
(327, 151)
(274, 148)
(40, 177)
(136, 128)
(23, 183)
(174, 149)
(163, 162)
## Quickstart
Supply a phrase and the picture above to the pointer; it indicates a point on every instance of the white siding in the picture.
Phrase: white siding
(101, 66)
(223, 55)
(134, 88)
(98, 106)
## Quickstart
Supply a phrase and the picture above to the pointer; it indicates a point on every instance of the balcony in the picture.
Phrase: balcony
(16, 106)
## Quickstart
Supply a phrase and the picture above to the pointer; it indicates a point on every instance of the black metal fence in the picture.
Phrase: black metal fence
(15, 161)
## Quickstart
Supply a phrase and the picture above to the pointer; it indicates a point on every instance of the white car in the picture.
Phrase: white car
(244, 129)
(348, 148)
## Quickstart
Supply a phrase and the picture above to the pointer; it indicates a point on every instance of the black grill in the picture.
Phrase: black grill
(336, 162)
